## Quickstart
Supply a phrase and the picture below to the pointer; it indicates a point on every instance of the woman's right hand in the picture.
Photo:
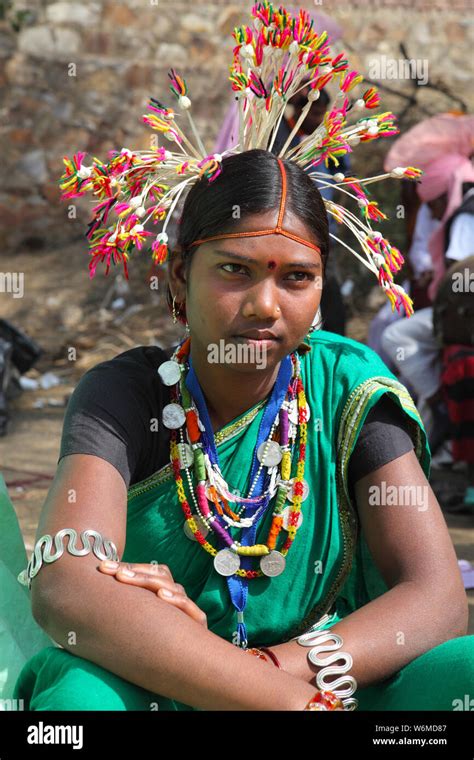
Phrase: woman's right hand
(156, 578)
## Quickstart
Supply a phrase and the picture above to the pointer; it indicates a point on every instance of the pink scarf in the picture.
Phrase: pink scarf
(445, 174)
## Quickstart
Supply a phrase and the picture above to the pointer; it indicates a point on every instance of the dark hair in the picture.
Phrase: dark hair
(251, 182)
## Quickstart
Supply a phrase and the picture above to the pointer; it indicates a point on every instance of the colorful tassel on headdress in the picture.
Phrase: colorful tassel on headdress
(178, 85)
(211, 166)
(160, 248)
(339, 63)
(400, 299)
(76, 179)
(350, 81)
(371, 98)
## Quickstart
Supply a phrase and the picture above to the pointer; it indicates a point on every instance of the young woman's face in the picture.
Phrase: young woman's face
(264, 283)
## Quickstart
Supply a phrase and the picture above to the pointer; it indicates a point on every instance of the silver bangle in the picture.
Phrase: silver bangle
(320, 638)
(103, 548)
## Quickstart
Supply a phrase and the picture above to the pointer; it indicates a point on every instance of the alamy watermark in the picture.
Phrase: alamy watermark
(467, 703)
(42, 733)
(12, 705)
(463, 282)
(12, 282)
(237, 353)
(384, 67)
(399, 496)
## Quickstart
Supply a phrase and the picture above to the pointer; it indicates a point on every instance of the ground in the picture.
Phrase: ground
(61, 309)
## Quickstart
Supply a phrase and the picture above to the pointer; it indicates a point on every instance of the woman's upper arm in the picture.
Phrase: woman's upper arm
(87, 493)
(405, 528)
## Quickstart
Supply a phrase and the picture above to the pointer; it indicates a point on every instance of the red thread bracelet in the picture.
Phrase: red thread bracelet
(272, 656)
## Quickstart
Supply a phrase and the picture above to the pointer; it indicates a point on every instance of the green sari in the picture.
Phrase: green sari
(329, 568)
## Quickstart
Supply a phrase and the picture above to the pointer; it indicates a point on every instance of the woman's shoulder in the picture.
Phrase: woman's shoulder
(128, 381)
(110, 410)
(137, 359)
(346, 356)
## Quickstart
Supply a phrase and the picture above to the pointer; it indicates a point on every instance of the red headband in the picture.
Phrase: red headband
(278, 230)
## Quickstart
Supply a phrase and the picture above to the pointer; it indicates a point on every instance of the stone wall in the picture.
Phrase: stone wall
(77, 75)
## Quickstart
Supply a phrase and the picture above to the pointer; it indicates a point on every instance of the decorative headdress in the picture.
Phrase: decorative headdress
(274, 58)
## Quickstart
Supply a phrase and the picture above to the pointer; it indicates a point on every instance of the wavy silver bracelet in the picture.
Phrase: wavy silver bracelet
(320, 638)
(103, 548)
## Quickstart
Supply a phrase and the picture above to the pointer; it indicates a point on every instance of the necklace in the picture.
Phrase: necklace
(271, 466)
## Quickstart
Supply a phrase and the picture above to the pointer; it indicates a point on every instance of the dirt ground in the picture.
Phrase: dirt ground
(62, 310)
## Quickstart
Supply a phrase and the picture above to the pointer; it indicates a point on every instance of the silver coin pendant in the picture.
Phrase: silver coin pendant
(173, 416)
(273, 454)
(170, 372)
(226, 562)
(201, 525)
(273, 564)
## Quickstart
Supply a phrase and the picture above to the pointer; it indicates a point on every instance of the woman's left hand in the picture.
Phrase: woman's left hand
(155, 578)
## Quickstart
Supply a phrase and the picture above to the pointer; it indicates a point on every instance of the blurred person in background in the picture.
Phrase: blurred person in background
(447, 188)
(420, 273)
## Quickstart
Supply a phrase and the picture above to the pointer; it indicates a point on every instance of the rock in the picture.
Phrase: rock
(73, 13)
(33, 164)
(96, 41)
(7, 41)
(28, 383)
(197, 24)
(138, 75)
(49, 380)
(421, 33)
(21, 72)
(118, 304)
(102, 80)
(174, 53)
(119, 15)
(20, 136)
(229, 18)
(202, 51)
(62, 110)
(50, 43)
(72, 316)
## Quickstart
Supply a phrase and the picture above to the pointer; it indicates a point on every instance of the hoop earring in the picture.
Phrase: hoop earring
(175, 317)
(175, 313)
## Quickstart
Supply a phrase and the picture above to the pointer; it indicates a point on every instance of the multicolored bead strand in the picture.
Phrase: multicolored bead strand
(202, 500)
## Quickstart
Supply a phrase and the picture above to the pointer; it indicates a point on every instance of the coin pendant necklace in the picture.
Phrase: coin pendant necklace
(211, 491)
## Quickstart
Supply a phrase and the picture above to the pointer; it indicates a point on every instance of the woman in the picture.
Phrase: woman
(386, 576)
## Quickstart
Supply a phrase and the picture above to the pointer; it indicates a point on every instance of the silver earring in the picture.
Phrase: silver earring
(175, 313)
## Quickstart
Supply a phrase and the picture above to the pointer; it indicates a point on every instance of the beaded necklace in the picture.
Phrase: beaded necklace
(212, 491)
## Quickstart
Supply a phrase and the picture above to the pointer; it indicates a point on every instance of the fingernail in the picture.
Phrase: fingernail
(110, 564)
(166, 592)
(128, 573)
